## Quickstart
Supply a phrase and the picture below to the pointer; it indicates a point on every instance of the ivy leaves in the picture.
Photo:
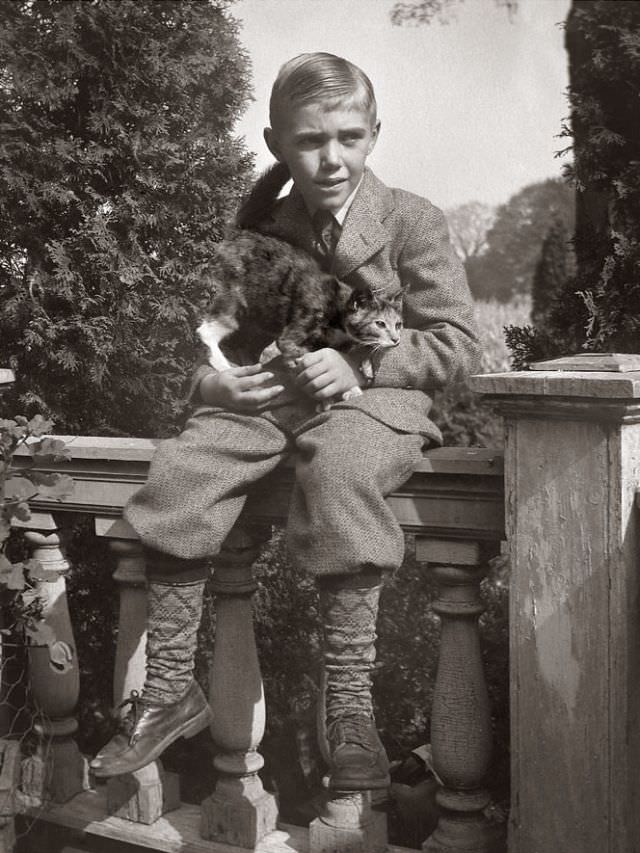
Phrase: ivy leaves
(24, 582)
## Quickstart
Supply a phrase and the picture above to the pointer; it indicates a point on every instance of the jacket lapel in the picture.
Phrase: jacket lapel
(363, 233)
(291, 223)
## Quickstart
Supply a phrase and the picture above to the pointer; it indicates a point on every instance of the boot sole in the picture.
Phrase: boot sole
(346, 784)
(188, 729)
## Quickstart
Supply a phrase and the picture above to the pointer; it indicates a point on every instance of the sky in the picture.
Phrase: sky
(470, 110)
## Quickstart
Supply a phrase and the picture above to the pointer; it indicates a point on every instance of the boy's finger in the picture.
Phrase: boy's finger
(309, 359)
(310, 373)
(260, 395)
(246, 383)
(248, 369)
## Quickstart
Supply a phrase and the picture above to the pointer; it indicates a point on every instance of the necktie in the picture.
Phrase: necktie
(327, 230)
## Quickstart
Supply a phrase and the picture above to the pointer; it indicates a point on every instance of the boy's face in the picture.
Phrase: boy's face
(325, 151)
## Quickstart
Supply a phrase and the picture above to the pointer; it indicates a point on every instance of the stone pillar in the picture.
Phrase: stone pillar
(572, 469)
(460, 717)
(57, 771)
(146, 794)
(239, 812)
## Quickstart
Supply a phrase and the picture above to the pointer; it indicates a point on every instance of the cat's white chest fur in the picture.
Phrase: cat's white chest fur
(211, 333)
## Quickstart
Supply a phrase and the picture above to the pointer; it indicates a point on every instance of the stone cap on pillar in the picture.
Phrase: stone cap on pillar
(598, 386)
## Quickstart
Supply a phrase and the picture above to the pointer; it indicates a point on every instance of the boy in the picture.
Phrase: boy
(323, 127)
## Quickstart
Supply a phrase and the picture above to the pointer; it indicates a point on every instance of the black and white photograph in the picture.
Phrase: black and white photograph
(320, 426)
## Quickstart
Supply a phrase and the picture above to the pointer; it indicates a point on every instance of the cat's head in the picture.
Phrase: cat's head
(373, 319)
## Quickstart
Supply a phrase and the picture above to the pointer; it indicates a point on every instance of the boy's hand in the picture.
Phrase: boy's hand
(249, 388)
(326, 372)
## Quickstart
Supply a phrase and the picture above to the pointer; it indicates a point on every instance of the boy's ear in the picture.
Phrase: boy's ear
(272, 143)
(375, 132)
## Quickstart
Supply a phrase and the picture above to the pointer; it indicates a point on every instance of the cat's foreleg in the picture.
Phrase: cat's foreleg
(212, 333)
(366, 368)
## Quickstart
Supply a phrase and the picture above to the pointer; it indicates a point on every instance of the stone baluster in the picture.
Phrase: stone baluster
(57, 771)
(348, 820)
(460, 716)
(148, 793)
(239, 812)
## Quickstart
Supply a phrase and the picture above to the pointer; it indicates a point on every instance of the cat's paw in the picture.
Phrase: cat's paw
(356, 391)
(366, 368)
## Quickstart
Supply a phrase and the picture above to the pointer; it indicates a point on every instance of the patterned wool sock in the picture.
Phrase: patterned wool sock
(349, 614)
(173, 618)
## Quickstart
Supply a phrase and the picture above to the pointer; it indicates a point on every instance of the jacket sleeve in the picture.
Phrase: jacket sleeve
(439, 342)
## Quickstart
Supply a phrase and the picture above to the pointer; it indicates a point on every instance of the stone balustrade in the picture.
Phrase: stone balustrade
(568, 494)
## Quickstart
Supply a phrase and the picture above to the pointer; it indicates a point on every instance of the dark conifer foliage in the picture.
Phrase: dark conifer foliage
(552, 272)
(599, 308)
(118, 169)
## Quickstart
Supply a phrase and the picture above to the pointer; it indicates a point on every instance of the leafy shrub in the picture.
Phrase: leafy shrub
(20, 579)
(118, 170)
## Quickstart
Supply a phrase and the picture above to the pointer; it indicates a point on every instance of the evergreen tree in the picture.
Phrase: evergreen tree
(551, 273)
(599, 308)
(118, 169)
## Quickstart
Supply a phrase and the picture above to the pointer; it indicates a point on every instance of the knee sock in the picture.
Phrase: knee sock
(174, 610)
(349, 610)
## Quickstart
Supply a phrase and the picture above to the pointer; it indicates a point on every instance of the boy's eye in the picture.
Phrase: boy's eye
(351, 138)
(307, 142)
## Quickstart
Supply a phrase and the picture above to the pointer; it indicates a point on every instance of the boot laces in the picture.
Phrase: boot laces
(128, 722)
(355, 728)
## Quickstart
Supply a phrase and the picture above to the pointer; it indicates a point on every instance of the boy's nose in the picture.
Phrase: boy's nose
(331, 154)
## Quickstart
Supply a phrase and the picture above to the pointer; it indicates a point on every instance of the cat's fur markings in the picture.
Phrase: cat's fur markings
(264, 289)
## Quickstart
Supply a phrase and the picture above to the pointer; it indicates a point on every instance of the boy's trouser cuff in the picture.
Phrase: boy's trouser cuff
(167, 569)
(368, 577)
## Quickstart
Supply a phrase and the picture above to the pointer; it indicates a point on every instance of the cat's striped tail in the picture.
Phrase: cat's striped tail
(257, 206)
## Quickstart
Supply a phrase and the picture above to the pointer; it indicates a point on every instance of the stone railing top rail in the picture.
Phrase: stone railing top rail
(455, 490)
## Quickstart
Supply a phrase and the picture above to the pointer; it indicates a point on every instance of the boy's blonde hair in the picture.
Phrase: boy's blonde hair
(312, 77)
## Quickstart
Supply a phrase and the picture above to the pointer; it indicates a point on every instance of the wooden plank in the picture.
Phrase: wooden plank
(575, 636)
(600, 385)
(610, 362)
(175, 832)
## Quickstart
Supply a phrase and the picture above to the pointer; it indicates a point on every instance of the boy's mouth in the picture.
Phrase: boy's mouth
(330, 182)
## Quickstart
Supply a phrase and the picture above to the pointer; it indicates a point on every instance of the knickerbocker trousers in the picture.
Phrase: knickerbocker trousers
(346, 463)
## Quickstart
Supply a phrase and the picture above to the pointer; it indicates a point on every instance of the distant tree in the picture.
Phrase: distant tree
(599, 308)
(468, 227)
(118, 168)
(555, 267)
(426, 11)
(515, 240)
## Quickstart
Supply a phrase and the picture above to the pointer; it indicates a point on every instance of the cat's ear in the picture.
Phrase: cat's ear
(398, 295)
(360, 298)
(343, 292)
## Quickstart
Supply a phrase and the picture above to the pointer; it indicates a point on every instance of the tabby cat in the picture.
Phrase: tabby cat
(261, 289)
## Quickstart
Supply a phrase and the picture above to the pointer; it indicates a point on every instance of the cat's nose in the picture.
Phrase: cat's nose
(395, 340)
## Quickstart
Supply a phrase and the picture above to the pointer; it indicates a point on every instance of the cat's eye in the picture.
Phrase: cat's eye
(398, 326)
(381, 324)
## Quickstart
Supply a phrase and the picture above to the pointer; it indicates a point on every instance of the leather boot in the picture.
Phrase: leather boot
(171, 705)
(349, 611)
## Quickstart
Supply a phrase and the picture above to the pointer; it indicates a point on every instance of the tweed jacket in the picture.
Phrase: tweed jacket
(392, 238)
